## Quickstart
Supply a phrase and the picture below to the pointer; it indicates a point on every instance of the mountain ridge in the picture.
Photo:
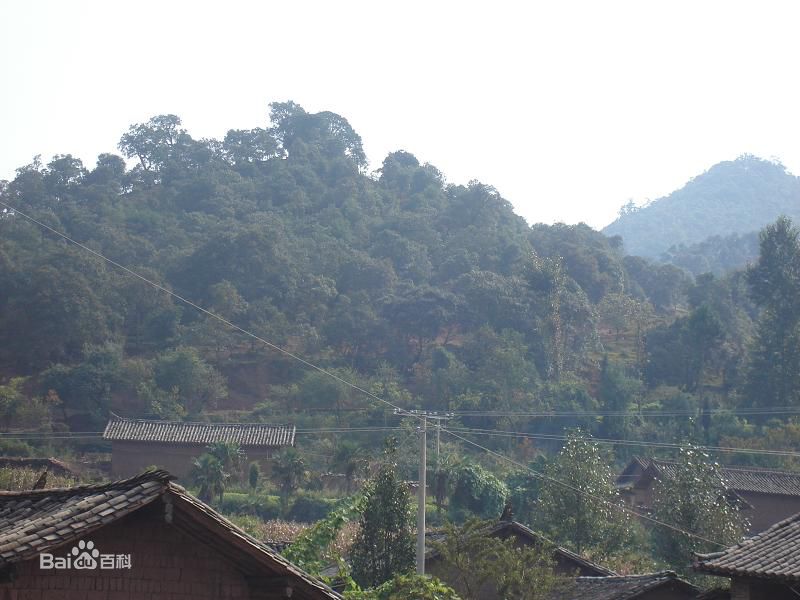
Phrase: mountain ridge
(732, 197)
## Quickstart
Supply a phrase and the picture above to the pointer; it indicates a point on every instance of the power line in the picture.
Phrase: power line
(312, 365)
(56, 437)
(547, 436)
(203, 310)
(348, 430)
(99, 434)
(585, 493)
(648, 414)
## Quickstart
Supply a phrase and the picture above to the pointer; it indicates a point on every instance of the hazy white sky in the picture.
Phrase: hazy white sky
(568, 108)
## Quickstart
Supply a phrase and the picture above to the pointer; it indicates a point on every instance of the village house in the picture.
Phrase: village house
(764, 495)
(665, 585)
(143, 538)
(586, 580)
(763, 567)
(137, 444)
(565, 561)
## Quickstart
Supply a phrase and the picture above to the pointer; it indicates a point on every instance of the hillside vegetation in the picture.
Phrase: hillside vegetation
(732, 197)
(427, 294)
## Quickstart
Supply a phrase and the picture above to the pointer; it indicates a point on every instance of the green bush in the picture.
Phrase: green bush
(263, 506)
(309, 508)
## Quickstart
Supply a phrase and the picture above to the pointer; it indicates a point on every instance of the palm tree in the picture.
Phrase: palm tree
(209, 475)
(352, 460)
(288, 472)
(231, 455)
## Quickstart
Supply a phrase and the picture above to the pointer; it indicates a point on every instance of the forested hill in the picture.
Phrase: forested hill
(427, 294)
(281, 230)
(732, 197)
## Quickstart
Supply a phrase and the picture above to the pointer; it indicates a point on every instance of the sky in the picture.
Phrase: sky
(569, 109)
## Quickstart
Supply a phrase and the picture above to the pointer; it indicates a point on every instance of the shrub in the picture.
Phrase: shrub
(308, 508)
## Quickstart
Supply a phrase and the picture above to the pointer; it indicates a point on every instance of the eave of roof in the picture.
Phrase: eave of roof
(42, 520)
(771, 554)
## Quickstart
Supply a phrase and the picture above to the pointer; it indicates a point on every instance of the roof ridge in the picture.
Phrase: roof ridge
(115, 417)
(667, 573)
(744, 468)
(759, 470)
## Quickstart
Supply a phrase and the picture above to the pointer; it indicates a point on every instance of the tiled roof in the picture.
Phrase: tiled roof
(764, 481)
(621, 587)
(244, 434)
(432, 537)
(39, 521)
(33, 521)
(774, 553)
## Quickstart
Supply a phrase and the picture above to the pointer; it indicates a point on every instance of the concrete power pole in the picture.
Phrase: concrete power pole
(421, 496)
(423, 466)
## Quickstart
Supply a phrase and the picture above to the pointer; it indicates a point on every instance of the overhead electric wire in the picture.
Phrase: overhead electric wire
(57, 437)
(614, 442)
(311, 365)
(99, 434)
(348, 430)
(602, 413)
(211, 314)
(583, 492)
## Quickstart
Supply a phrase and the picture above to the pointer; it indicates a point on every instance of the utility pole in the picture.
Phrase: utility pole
(421, 496)
(423, 417)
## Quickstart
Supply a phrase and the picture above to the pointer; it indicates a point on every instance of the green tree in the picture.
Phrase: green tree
(384, 544)
(352, 460)
(87, 388)
(548, 281)
(288, 472)
(193, 383)
(231, 455)
(695, 500)
(403, 587)
(311, 550)
(774, 373)
(480, 565)
(579, 507)
(152, 142)
(209, 476)
(617, 393)
(253, 475)
(477, 491)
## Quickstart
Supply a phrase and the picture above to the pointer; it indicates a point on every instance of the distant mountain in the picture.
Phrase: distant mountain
(732, 197)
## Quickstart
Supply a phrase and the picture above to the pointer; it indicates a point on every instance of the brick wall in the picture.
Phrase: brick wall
(166, 565)
(131, 458)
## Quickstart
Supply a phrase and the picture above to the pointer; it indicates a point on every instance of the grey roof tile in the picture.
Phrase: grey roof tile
(774, 553)
(739, 479)
(244, 434)
(620, 587)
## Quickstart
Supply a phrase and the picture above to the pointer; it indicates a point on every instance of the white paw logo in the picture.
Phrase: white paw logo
(86, 555)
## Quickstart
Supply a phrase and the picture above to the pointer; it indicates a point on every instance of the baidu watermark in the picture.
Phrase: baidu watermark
(85, 556)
